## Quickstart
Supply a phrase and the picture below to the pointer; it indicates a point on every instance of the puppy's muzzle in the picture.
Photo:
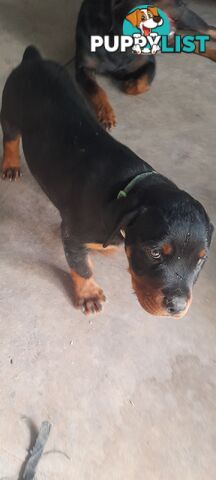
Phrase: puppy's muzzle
(157, 19)
(175, 305)
(159, 302)
(177, 302)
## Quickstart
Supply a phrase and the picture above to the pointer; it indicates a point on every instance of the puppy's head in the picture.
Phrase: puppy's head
(167, 245)
(146, 18)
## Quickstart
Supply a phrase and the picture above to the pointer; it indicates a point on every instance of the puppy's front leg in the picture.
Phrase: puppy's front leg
(96, 96)
(87, 295)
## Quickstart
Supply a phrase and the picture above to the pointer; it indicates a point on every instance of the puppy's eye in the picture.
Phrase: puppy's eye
(154, 253)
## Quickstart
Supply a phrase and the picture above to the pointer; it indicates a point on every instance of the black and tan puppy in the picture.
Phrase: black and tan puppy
(106, 195)
(135, 72)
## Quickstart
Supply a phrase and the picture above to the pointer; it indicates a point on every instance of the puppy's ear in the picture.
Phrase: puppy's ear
(154, 11)
(120, 213)
(134, 18)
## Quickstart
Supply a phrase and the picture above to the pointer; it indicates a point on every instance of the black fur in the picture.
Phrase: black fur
(82, 168)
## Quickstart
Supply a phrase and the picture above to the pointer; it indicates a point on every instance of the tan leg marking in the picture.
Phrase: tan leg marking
(212, 33)
(87, 295)
(103, 109)
(209, 53)
(11, 160)
(98, 247)
(136, 87)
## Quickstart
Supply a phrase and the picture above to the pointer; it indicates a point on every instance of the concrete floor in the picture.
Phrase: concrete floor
(129, 396)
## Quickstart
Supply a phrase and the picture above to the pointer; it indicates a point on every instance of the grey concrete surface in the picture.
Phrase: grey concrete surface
(129, 396)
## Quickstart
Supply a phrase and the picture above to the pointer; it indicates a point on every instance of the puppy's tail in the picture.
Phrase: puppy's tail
(31, 53)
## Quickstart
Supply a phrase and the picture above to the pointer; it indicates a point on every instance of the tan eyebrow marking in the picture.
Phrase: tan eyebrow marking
(202, 253)
(167, 249)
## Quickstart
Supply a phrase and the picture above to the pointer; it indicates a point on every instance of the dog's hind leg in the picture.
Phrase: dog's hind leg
(139, 81)
(10, 118)
(209, 53)
(189, 20)
(97, 97)
(10, 168)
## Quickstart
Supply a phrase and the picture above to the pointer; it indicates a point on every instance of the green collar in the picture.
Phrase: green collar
(132, 183)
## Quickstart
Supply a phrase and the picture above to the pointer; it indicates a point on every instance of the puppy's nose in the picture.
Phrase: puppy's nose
(175, 305)
(157, 19)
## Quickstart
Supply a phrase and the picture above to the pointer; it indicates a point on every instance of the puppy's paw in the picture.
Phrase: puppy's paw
(136, 87)
(106, 116)
(12, 174)
(103, 109)
(92, 303)
(88, 297)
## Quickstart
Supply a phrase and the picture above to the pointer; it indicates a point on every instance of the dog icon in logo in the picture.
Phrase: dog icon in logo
(146, 19)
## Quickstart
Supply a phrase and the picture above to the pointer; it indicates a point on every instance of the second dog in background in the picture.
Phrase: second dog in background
(135, 72)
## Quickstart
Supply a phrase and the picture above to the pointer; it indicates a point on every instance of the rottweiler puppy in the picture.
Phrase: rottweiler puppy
(105, 193)
(135, 72)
